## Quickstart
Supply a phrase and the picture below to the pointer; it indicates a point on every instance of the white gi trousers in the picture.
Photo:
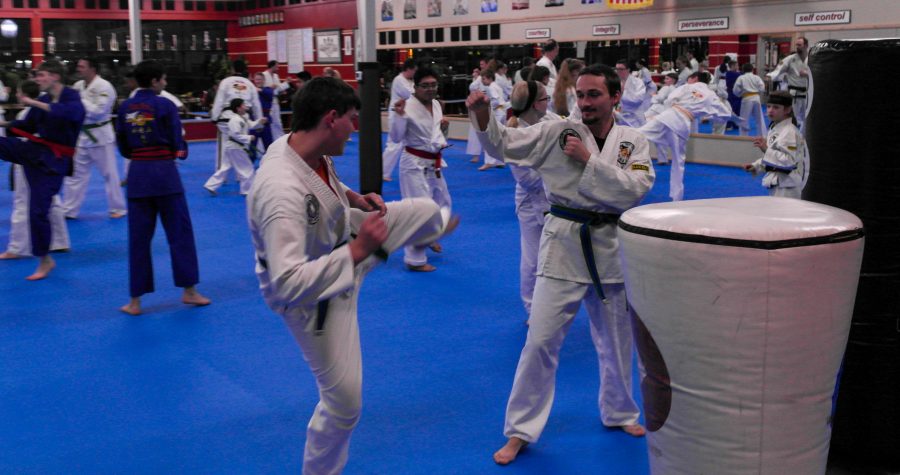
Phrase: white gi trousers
(554, 307)
(19, 232)
(793, 192)
(392, 151)
(75, 186)
(751, 109)
(334, 355)
(670, 131)
(473, 148)
(418, 179)
(531, 224)
(799, 108)
(237, 159)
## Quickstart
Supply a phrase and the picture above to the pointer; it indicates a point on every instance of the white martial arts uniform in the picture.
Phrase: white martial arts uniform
(235, 156)
(749, 87)
(788, 72)
(632, 102)
(683, 76)
(673, 127)
(721, 89)
(650, 89)
(299, 227)
(657, 102)
(96, 147)
(498, 109)
(233, 87)
(547, 63)
(421, 177)
(531, 207)
(19, 231)
(505, 85)
(786, 161)
(401, 88)
(615, 179)
(272, 80)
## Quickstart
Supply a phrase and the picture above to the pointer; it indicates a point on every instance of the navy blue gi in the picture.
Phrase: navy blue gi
(149, 133)
(46, 156)
(266, 96)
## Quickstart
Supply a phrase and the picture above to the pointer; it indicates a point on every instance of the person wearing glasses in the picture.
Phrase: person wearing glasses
(593, 170)
(420, 124)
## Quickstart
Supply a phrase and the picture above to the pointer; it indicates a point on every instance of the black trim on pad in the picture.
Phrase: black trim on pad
(842, 236)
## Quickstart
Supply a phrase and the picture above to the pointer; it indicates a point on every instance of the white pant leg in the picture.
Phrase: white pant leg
(275, 125)
(104, 158)
(19, 233)
(719, 128)
(676, 174)
(751, 110)
(220, 148)
(553, 309)
(473, 146)
(785, 192)
(799, 108)
(75, 186)
(418, 180)
(221, 173)
(126, 164)
(531, 224)
(390, 157)
(335, 360)
(409, 221)
(613, 340)
(243, 168)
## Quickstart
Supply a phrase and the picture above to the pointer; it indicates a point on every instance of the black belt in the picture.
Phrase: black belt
(770, 168)
(587, 219)
(797, 88)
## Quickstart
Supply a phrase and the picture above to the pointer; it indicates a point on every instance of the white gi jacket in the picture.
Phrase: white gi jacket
(545, 62)
(787, 152)
(530, 192)
(99, 98)
(749, 84)
(401, 88)
(657, 101)
(614, 180)
(683, 76)
(689, 102)
(298, 258)
(234, 87)
(633, 92)
(789, 70)
(505, 85)
(418, 129)
(237, 129)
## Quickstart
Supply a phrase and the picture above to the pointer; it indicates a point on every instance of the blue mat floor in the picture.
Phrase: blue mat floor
(224, 389)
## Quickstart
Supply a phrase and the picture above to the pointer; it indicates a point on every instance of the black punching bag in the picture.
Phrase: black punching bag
(853, 134)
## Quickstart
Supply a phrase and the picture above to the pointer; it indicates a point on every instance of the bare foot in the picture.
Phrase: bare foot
(192, 297)
(116, 215)
(43, 269)
(133, 307)
(422, 268)
(474, 160)
(9, 255)
(436, 247)
(485, 167)
(386, 178)
(508, 452)
(451, 225)
(635, 430)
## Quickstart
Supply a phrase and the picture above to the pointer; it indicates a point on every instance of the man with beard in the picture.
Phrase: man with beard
(794, 74)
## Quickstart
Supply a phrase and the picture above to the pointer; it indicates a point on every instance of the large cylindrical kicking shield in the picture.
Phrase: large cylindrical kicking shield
(742, 308)
(852, 133)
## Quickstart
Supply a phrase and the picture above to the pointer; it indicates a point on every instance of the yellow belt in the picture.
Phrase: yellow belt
(684, 111)
(749, 94)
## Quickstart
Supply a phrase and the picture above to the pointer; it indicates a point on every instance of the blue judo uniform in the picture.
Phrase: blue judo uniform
(46, 156)
(149, 133)
(266, 96)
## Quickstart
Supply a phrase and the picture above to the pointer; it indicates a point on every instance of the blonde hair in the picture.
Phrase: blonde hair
(518, 99)
(568, 73)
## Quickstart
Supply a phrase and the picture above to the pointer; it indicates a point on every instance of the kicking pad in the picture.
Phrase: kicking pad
(742, 311)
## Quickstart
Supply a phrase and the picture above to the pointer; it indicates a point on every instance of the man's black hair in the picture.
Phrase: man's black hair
(319, 96)
(304, 76)
(423, 73)
(538, 73)
(409, 64)
(53, 67)
(550, 45)
(625, 63)
(30, 89)
(92, 62)
(701, 76)
(747, 68)
(611, 79)
(271, 63)
(240, 67)
(147, 71)
(235, 103)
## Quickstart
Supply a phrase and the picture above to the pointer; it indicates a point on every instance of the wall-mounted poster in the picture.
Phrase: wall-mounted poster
(555, 3)
(434, 8)
(488, 6)
(328, 46)
(409, 10)
(387, 10)
(460, 7)
(521, 4)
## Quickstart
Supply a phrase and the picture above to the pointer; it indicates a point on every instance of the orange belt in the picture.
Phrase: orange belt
(59, 150)
(427, 155)
(749, 94)
(684, 111)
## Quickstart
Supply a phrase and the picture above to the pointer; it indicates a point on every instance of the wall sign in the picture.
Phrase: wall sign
(535, 33)
(822, 18)
(702, 24)
(607, 30)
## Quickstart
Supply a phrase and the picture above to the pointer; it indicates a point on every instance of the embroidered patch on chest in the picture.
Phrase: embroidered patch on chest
(312, 209)
(564, 136)
(625, 149)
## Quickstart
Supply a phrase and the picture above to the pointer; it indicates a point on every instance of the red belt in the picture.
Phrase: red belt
(430, 156)
(59, 150)
(157, 152)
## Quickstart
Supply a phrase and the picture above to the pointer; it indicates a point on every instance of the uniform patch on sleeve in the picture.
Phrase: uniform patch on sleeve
(791, 147)
(564, 136)
(625, 149)
(312, 209)
(640, 166)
